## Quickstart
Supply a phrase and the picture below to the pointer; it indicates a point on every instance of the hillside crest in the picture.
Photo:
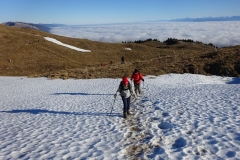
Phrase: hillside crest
(25, 52)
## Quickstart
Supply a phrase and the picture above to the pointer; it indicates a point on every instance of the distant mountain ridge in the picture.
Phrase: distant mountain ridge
(41, 27)
(47, 27)
(204, 19)
(53, 25)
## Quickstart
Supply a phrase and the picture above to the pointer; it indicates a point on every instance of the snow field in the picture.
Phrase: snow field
(177, 117)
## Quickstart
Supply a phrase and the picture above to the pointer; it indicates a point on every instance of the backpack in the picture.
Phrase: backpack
(136, 76)
(124, 87)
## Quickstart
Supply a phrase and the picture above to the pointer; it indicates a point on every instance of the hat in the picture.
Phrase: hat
(125, 80)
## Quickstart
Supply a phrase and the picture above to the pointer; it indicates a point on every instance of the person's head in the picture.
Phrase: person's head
(125, 80)
(135, 70)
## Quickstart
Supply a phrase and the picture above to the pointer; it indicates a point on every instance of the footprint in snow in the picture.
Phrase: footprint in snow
(165, 125)
(179, 143)
(230, 154)
(165, 114)
(157, 108)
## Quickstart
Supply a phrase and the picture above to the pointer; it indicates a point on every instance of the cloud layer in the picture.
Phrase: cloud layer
(221, 34)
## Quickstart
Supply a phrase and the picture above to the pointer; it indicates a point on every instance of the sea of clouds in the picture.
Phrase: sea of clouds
(220, 34)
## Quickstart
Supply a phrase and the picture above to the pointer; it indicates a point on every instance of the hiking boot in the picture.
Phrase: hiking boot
(124, 114)
(136, 92)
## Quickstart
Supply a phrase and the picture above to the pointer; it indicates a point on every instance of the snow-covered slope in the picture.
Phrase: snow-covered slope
(177, 117)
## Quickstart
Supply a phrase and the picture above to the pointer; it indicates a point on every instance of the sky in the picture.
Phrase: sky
(76, 12)
(178, 116)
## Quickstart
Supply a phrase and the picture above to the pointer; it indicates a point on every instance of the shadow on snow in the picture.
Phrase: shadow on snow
(39, 111)
(83, 94)
(234, 81)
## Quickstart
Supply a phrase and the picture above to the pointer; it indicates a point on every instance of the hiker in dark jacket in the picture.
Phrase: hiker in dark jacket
(123, 60)
(137, 78)
(125, 90)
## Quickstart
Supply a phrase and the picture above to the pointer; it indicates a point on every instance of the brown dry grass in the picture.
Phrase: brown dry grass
(25, 52)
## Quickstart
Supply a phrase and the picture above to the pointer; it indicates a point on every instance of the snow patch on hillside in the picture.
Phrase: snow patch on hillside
(65, 45)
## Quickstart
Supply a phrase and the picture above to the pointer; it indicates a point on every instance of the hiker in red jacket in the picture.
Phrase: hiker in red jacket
(137, 77)
(125, 90)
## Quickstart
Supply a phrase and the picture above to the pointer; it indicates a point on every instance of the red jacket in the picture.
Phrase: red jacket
(137, 77)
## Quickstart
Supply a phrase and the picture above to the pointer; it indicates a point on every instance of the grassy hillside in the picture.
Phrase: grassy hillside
(25, 52)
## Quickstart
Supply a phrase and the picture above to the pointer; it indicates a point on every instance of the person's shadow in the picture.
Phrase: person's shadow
(40, 111)
(83, 94)
(234, 81)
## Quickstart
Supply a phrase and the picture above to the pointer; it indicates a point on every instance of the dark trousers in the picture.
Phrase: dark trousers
(137, 88)
(126, 104)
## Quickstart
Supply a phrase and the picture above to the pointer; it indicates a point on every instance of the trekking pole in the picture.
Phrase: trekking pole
(112, 106)
(143, 88)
